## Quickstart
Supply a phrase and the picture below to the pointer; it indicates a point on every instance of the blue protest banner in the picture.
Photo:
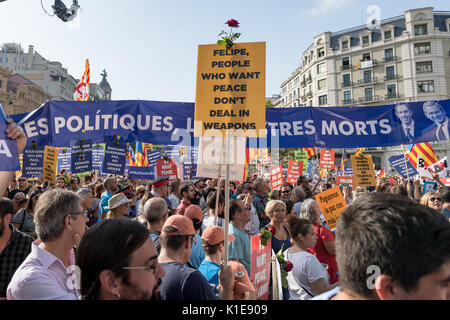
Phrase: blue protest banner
(152, 156)
(64, 160)
(98, 155)
(81, 159)
(171, 123)
(172, 152)
(143, 173)
(9, 155)
(33, 160)
(187, 170)
(429, 186)
(398, 162)
(115, 158)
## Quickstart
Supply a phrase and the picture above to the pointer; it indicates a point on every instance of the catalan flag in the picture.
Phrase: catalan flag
(311, 152)
(423, 150)
(382, 173)
(360, 151)
(141, 155)
(82, 90)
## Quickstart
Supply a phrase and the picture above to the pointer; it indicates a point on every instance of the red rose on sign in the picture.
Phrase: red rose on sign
(232, 23)
(289, 266)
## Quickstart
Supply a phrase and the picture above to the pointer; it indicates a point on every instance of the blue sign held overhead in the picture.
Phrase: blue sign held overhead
(9, 154)
(400, 165)
(143, 173)
(115, 158)
(33, 161)
(81, 159)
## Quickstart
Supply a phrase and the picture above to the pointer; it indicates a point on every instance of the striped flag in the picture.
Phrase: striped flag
(82, 90)
(360, 151)
(382, 174)
(311, 152)
(423, 150)
(344, 158)
(141, 155)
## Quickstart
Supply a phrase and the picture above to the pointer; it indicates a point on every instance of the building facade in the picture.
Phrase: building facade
(406, 59)
(19, 94)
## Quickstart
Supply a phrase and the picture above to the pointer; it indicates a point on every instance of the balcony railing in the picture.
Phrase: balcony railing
(346, 84)
(368, 81)
(348, 101)
(391, 77)
(369, 99)
(309, 94)
(309, 79)
(347, 67)
(392, 96)
(389, 59)
(303, 83)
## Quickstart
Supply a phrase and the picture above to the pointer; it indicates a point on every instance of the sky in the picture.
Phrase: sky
(149, 47)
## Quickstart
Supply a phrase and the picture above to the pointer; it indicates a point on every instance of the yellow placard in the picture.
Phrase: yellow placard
(231, 87)
(50, 164)
(332, 203)
(363, 173)
(19, 173)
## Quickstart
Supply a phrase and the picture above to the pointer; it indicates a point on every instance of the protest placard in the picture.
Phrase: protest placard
(332, 203)
(115, 158)
(400, 165)
(276, 177)
(9, 155)
(230, 89)
(295, 170)
(98, 155)
(363, 172)
(187, 167)
(144, 173)
(327, 159)
(345, 181)
(260, 267)
(50, 164)
(429, 186)
(64, 159)
(424, 174)
(33, 162)
(81, 157)
(166, 168)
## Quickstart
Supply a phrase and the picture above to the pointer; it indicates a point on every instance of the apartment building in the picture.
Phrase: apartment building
(406, 59)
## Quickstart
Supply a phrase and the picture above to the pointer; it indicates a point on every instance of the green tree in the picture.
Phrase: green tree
(269, 104)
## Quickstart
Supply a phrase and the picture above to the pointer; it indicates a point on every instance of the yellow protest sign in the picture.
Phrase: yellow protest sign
(363, 173)
(50, 164)
(19, 173)
(230, 91)
(332, 203)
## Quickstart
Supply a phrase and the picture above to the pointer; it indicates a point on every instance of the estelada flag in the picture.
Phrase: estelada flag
(131, 157)
(82, 90)
(424, 150)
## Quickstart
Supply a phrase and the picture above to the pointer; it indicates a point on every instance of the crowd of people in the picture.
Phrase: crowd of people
(161, 239)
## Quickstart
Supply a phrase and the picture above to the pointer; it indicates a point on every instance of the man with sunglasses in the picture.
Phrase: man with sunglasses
(286, 191)
(22, 187)
(49, 270)
(180, 282)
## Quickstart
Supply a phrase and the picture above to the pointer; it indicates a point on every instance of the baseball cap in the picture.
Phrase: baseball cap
(214, 235)
(194, 212)
(182, 224)
(242, 282)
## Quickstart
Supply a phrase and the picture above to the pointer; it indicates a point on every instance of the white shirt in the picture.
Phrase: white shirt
(307, 269)
(253, 225)
(42, 276)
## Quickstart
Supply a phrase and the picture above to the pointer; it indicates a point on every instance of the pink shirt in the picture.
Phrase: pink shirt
(42, 276)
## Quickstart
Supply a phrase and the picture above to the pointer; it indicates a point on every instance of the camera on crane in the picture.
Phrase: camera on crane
(64, 13)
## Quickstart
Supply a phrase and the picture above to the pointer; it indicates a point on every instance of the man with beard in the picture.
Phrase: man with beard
(187, 194)
(14, 246)
(118, 261)
(111, 187)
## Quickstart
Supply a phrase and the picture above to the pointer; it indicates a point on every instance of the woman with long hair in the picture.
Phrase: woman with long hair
(24, 218)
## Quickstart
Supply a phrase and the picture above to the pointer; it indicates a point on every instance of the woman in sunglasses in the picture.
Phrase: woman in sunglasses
(24, 218)
(432, 200)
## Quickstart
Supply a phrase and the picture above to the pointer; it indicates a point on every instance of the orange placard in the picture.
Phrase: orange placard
(50, 164)
(332, 203)
(363, 171)
(231, 89)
